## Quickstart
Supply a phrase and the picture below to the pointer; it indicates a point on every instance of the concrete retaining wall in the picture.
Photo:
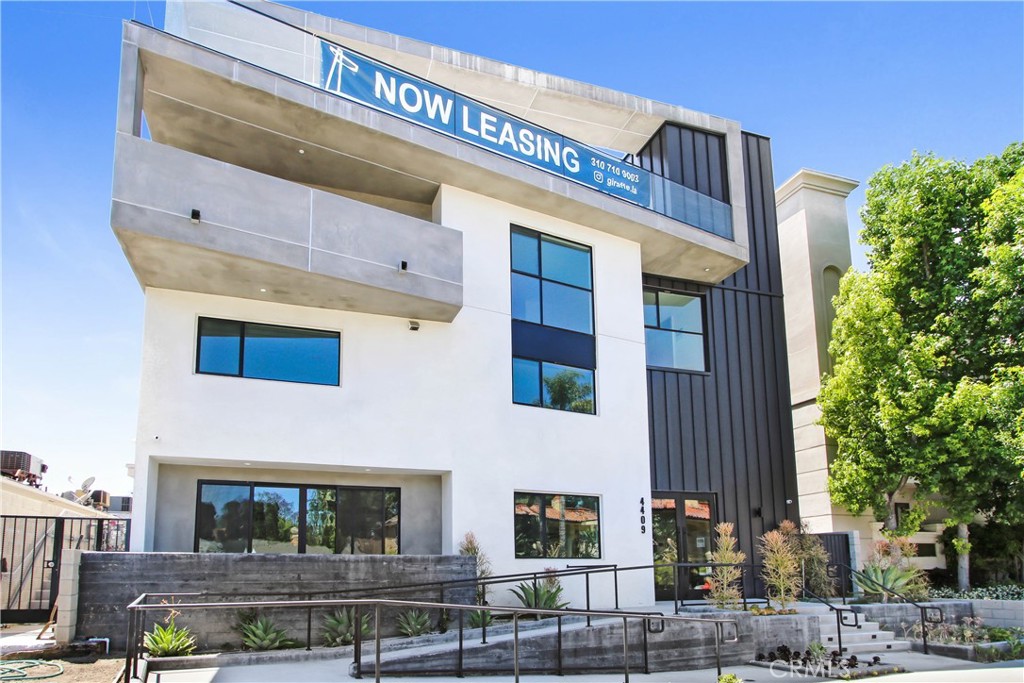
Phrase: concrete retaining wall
(681, 646)
(899, 617)
(108, 582)
(1005, 613)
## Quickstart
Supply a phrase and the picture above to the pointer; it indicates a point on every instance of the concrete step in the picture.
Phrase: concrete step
(851, 637)
(829, 626)
(873, 648)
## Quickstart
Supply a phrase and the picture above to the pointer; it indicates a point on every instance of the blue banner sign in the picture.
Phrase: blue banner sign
(369, 82)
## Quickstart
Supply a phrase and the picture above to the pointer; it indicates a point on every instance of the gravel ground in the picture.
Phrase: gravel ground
(101, 669)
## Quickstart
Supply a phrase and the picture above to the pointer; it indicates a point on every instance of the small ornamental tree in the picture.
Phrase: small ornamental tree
(781, 568)
(725, 580)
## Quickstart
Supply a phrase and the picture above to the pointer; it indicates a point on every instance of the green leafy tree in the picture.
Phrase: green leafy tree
(926, 346)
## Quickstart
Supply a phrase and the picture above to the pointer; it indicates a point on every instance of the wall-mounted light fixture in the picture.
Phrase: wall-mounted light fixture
(403, 266)
(414, 325)
(195, 216)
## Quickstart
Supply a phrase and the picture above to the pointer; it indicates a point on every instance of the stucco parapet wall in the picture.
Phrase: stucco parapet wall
(261, 237)
(275, 108)
(809, 179)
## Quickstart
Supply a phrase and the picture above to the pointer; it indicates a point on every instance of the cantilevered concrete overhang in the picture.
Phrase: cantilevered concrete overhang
(216, 106)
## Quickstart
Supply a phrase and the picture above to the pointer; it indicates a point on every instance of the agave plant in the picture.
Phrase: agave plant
(414, 623)
(340, 627)
(169, 641)
(479, 619)
(259, 633)
(543, 595)
(877, 580)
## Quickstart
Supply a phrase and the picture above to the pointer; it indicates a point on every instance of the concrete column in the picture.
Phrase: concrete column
(814, 245)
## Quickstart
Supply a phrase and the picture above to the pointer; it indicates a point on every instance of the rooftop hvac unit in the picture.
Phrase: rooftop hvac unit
(101, 499)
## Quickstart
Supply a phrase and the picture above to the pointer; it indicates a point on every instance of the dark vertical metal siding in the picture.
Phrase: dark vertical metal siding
(730, 430)
(690, 157)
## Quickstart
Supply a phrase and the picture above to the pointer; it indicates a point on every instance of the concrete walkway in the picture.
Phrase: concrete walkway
(922, 668)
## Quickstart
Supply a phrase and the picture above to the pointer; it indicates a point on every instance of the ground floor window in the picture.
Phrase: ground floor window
(239, 517)
(554, 525)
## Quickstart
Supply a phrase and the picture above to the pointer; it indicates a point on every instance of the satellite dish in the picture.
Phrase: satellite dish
(87, 484)
(81, 496)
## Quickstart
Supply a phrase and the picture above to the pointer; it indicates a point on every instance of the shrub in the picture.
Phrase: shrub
(169, 640)
(470, 546)
(724, 591)
(414, 623)
(781, 568)
(1004, 592)
(259, 633)
(813, 559)
(340, 627)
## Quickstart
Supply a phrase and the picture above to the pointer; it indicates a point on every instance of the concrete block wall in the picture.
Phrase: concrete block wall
(1005, 613)
(893, 617)
(108, 582)
(67, 597)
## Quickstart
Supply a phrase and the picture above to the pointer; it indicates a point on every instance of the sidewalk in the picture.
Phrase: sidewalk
(922, 668)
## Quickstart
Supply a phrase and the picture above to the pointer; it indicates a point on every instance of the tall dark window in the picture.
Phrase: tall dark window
(553, 322)
(552, 525)
(295, 518)
(255, 350)
(674, 325)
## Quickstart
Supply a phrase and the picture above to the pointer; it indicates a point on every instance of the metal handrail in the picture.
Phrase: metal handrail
(925, 619)
(139, 606)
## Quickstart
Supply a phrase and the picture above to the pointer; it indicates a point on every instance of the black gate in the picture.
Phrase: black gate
(30, 554)
(837, 544)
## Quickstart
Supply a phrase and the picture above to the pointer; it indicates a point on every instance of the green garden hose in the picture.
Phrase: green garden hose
(29, 670)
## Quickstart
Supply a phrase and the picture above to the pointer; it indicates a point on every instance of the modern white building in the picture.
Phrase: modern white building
(396, 293)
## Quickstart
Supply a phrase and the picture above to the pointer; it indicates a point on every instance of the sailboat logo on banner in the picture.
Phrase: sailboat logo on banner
(340, 63)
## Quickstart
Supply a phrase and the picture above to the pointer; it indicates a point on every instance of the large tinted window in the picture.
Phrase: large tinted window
(552, 525)
(674, 325)
(551, 282)
(222, 518)
(275, 519)
(297, 518)
(550, 385)
(291, 354)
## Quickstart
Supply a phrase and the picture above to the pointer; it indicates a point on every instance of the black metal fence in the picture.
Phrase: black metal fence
(30, 558)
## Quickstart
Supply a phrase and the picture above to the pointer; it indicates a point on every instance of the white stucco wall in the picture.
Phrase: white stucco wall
(436, 402)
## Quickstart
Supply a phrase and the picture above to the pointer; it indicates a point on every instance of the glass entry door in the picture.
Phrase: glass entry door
(683, 524)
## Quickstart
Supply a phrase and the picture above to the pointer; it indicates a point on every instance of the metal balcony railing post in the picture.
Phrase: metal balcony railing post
(615, 577)
(839, 631)
(309, 628)
(625, 648)
(718, 647)
(376, 626)
(357, 645)
(515, 645)
(462, 645)
(587, 578)
(924, 630)
(559, 644)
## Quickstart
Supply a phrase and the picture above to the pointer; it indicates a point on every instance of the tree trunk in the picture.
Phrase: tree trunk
(891, 523)
(963, 559)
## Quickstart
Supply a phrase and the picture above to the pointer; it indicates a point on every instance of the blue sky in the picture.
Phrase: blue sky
(839, 87)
